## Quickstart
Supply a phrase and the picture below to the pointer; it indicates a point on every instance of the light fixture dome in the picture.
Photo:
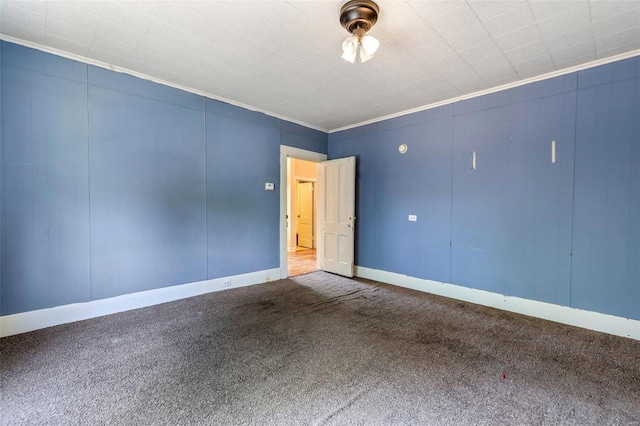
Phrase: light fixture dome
(370, 44)
(357, 17)
(350, 48)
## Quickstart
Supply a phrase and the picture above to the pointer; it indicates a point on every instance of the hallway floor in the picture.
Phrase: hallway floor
(302, 261)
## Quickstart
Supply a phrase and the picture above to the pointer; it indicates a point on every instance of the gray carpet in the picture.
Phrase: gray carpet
(319, 349)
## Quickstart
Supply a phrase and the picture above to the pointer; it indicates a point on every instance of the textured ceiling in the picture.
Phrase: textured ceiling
(283, 57)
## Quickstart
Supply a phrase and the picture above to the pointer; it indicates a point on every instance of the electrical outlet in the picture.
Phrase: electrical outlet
(413, 218)
(226, 283)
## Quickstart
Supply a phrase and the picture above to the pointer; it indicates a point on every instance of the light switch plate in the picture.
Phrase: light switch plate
(268, 186)
(413, 218)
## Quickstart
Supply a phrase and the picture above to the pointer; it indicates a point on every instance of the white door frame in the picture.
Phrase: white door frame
(300, 154)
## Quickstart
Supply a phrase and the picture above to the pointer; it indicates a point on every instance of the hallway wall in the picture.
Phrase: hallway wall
(299, 169)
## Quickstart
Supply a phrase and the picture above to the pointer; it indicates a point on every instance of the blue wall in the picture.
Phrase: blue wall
(1, 178)
(112, 184)
(566, 233)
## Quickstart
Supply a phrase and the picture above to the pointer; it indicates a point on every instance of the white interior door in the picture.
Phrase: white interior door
(305, 214)
(336, 210)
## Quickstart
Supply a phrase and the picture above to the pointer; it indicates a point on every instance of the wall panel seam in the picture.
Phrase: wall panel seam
(573, 195)
(89, 178)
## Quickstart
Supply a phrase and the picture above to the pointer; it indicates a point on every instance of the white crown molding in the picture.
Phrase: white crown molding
(596, 321)
(42, 318)
(116, 68)
(519, 83)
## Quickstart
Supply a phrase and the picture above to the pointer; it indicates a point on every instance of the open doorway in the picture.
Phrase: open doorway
(298, 236)
(334, 229)
(301, 214)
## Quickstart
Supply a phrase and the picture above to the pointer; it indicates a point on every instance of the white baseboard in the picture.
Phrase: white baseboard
(563, 314)
(34, 320)
(42, 318)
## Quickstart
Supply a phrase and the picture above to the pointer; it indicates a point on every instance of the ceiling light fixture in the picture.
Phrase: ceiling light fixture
(357, 17)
